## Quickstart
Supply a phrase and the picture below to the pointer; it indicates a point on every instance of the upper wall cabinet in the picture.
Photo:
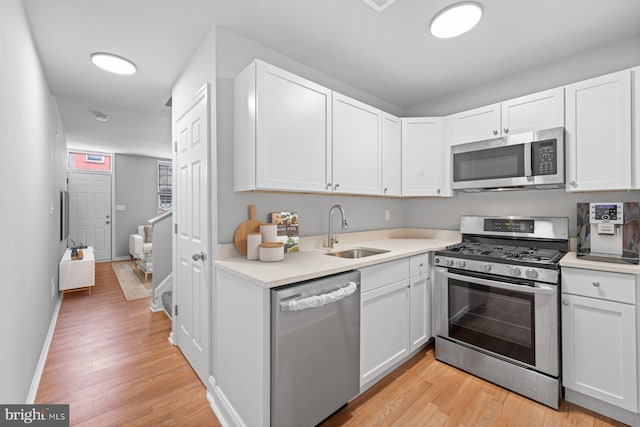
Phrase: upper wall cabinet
(282, 131)
(391, 155)
(423, 157)
(541, 110)
(598, 133)
(635, 137)
(356, 147)
(475, 125)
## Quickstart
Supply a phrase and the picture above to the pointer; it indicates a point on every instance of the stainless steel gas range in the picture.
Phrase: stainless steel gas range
(497, 302)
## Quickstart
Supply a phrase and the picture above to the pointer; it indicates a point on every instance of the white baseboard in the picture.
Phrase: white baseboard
(121, 258)
(35, 383)
(171, 341)
(225, 413)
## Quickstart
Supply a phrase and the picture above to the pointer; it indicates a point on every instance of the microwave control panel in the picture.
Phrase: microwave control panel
(544, 157)
(606, 213)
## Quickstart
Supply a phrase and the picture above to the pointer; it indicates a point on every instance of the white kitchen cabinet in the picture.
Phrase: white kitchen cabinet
(384, 317)
(391, 155)
(356, 147)
(635, 137)
(541, 110)
(598, 133)
(282, 131)
(537, 111)
(423, 157)
(599, 336)
(420, 296)
(475, 125)
(384, 329)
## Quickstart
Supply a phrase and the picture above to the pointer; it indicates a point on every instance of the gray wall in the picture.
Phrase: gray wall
(363, 213)
(137, 189)
(32, 170)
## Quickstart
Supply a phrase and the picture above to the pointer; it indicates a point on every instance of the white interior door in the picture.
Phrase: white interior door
(90, 212)
(191, 215)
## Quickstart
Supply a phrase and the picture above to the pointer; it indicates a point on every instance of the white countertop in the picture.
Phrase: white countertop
(311, 262)
(572, 260)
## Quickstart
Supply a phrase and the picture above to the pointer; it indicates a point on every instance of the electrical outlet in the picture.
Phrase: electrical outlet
(54, 288)
(387, 215)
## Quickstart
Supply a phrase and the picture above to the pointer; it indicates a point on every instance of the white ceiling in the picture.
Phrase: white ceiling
(388, 54)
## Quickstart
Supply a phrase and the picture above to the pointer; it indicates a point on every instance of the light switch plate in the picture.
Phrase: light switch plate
(121, 208)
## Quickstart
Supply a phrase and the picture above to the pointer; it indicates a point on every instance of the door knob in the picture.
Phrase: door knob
(565, 302)
(198, 257)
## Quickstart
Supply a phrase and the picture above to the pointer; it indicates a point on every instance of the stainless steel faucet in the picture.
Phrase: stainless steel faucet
(332, 238)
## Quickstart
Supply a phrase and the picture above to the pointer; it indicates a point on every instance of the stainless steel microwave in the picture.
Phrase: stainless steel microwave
(521, 161)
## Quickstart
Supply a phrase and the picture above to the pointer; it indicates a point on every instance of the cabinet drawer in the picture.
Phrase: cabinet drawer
(383, 274)
(418, 264)
(599, 284)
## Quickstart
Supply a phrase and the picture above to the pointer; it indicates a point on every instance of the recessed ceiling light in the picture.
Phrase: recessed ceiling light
(100, 116)
(456, 19)
(113, 63)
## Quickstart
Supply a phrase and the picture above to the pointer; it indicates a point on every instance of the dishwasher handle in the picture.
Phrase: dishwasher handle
(316, 301)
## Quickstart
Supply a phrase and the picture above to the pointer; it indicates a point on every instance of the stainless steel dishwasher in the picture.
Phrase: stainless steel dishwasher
(315, 349)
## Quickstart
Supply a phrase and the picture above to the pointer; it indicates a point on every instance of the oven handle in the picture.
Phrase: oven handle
(538, 289)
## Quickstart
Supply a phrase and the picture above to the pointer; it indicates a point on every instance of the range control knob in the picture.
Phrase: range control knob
(514, 271)
(449, 262)
(460, 263)
(486, 267)
(531, 273)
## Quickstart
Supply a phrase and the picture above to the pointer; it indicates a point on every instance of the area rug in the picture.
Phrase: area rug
(131, 281)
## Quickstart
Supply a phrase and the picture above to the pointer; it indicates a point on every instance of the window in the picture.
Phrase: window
(165, 187)
(89, 162)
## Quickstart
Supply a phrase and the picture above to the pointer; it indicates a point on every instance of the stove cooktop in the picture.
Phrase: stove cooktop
(520, 255)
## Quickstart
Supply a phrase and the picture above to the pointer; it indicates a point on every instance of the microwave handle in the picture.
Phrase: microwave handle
(538, 289)
(527, 159)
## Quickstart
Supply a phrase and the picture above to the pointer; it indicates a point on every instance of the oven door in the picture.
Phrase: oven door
(516, 322)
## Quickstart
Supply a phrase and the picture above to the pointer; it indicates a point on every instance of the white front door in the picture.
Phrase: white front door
(90, 212)
(191, 215)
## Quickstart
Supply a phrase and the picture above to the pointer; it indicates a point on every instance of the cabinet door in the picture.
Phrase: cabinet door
(475, 125)
(384, 329)
(391, 155)
(420, 312)
(599, 349)
(598, 133)
(542, 110)
(635, 138)
(356, 147)
(423, 147)
(293, 131)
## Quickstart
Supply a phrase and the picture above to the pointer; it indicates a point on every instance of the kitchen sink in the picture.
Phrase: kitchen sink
(357, 253)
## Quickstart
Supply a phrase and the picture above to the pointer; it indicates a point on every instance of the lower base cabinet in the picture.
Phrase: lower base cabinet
(599, 336)
(394, 315)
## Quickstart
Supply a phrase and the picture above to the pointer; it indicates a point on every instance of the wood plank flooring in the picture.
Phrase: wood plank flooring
(111, 361)
(426, 392)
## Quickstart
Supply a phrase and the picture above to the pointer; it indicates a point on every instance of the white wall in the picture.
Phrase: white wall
(607, 59)
(363, 213)
(32, 172)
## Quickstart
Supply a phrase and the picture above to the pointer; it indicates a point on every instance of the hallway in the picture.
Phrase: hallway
(110, 360)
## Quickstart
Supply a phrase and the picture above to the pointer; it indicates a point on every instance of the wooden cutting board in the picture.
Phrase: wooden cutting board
(251, 225)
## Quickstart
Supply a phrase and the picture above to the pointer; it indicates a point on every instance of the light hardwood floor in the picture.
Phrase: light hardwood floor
(111, 361)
